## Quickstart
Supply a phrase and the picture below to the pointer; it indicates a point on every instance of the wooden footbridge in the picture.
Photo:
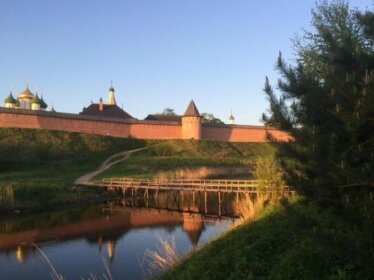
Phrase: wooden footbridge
(194, 192)
(198, 185)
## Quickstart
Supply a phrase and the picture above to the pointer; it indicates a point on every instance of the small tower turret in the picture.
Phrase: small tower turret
(231, 119)
(191, 123)
(111, 97)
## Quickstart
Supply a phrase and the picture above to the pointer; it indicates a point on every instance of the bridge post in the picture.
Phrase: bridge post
(193, 199)
(219, 203)
(189, 200)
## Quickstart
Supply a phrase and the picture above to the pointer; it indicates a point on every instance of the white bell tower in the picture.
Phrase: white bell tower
(111, 98)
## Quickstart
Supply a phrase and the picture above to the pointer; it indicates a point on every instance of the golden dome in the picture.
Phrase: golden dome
(26, 94)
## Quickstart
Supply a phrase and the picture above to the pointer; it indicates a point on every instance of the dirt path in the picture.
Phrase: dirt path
(86, 178)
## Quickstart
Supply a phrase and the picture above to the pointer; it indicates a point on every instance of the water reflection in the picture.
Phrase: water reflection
(104, 231)
(120, 231)
(207, 203)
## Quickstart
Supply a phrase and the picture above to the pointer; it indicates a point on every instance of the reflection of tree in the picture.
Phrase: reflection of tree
(51, 219)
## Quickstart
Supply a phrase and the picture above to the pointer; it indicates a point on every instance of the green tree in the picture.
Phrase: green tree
(168, 112)
(326, 102)
(210, 118)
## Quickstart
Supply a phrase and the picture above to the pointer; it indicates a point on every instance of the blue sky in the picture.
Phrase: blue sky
(159, 53)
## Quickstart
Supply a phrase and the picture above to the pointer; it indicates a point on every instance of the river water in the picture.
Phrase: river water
(81, 241)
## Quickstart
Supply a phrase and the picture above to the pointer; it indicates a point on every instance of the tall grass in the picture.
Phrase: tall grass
(55, 275)
(249, 207)
(165, 256)
(6, 197)
(204, 172)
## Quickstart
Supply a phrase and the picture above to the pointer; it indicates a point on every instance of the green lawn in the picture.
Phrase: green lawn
(171, 156)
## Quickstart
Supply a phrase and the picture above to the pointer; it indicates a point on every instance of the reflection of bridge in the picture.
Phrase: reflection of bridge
(108, 228)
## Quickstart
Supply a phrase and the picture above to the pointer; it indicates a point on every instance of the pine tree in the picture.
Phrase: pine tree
(326, 102)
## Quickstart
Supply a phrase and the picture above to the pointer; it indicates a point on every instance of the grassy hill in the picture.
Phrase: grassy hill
(42, 165)
(178, 158)
(298, 239)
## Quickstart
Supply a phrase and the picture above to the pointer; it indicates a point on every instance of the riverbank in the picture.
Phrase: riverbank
(41, 166)
(291, 240)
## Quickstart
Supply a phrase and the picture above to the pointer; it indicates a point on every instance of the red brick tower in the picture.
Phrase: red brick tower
(191, 123)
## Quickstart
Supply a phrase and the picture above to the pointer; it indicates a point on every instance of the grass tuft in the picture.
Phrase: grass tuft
(165, 256)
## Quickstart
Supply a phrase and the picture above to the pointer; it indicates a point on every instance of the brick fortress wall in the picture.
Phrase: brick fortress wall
(130, 128)
(241, 133)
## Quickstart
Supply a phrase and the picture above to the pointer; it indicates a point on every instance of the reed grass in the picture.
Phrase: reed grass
(204, 172)
(249, 207)
(165, 256)
(107, 275)
(6, 197)
(54, 274)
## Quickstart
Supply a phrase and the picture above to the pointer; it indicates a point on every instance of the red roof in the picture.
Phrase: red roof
(109, 111)
(160, 117)
(192, 110)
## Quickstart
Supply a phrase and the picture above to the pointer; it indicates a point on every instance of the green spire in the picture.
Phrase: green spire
(36, 99)
(43, 105)
(10, 99)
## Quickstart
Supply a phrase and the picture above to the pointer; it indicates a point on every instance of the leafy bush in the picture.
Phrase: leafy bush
(268, 171)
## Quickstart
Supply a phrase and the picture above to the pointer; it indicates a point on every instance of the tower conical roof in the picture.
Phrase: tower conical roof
(192, 110)
(193, 236)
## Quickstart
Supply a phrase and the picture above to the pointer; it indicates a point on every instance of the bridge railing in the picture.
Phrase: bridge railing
(215, 185)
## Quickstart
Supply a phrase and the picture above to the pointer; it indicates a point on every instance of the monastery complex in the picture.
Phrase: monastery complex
(28, 110)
